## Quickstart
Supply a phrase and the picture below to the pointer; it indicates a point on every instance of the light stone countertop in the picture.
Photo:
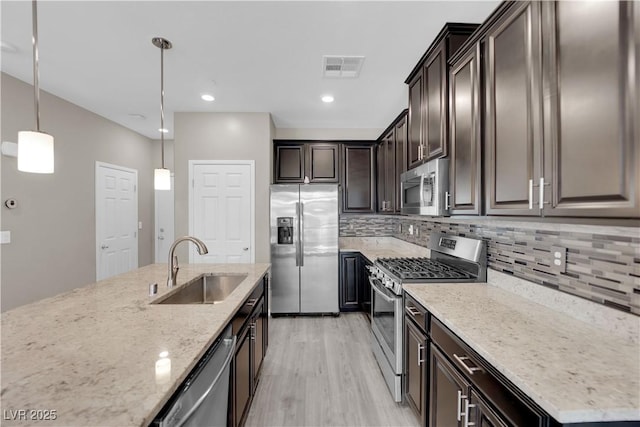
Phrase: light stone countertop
(90, 354)
(573, 370)
(381, 247)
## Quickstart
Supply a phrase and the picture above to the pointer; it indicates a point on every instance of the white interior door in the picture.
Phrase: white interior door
(116, 220)
(164, 233)
(222, 210)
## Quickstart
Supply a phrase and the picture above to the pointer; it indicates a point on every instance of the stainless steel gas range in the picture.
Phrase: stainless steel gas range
(453, 259)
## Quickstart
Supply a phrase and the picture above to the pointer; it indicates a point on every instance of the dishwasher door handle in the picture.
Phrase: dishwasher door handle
(201, 399)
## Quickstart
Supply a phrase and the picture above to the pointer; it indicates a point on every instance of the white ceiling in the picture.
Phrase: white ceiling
(260, 56)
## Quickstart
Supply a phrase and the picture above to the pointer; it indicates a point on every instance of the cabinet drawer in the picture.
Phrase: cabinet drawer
(242, 316)
(513, 405)
(416, 312)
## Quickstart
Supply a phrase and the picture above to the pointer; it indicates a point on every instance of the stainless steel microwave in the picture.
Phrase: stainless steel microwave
(424, 189)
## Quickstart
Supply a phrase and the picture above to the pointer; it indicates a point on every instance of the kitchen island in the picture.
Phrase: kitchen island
(88, 357)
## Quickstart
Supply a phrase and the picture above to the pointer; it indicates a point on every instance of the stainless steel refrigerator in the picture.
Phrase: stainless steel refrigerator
(304, 249)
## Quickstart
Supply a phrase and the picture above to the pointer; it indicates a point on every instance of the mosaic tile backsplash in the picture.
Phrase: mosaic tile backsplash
(600, 267)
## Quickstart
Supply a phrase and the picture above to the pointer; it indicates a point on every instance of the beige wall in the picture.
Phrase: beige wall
(224, 136)
(52, 247)
(328, 134)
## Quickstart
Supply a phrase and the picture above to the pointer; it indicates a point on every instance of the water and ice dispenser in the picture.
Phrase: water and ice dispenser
(285, 230)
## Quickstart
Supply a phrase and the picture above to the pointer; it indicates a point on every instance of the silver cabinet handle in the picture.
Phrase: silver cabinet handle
(461, 396)
(467, 406)
(531, 194)
(104, 246)
(470, 369)
(252, 302)
(447, 200)
(542, 184)
(420, 360)
(413, 311)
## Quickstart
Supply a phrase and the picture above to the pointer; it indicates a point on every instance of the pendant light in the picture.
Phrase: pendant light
(35, 148)
(162, 176)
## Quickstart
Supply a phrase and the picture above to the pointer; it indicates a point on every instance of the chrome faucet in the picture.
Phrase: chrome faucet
(173, 259)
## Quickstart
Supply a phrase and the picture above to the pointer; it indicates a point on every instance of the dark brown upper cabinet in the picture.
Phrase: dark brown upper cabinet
(392, 152)
(561, 108)
(320, 161)
(428, 96)
(513, 110)
(465, 151)
(289, 163)
(358, 178)
(591, 108)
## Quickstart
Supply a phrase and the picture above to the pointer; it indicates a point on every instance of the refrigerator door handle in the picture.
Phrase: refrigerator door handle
(298, 234)
(301, 234)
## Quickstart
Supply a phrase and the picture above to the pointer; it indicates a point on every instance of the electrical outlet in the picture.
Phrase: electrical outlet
(411, 229)
(558, 259)
(5, 237)
(400, 228)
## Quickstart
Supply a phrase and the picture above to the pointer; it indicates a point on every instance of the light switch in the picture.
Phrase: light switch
(139, 225)
(5, 237)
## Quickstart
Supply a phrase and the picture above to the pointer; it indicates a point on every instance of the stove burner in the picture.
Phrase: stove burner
(421, 268)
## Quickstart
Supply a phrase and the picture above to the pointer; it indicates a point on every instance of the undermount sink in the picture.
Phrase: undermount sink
(204, 289)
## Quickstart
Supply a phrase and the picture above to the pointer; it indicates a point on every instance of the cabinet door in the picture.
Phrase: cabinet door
(435, 94)
(364, 291)
(481, 414)
(381, 177)
(448, 391)
(592, 151)
(401, 157)
(358, 187)
(390, 172)
(258, 338)
(414, 150)
(513, 117)
(323, 163)
(349, 281)
(243, 382)
(289, 163)
(415, 372)
(464, 165)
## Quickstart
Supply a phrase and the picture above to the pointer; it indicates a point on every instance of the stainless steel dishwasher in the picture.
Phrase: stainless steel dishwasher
(202, 400)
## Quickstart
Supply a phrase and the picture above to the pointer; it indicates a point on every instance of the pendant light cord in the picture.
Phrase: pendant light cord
(36, 77)
(162, 103)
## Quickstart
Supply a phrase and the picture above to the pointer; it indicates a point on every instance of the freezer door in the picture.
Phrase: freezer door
(319, 247)
(285, 274)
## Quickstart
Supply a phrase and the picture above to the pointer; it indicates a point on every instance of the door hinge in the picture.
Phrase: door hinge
(135, 234)
(135, 188)
(193, 183)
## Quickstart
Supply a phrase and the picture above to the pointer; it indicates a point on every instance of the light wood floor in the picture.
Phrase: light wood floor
(319, 371)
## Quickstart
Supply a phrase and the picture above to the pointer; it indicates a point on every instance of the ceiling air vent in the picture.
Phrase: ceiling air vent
(341, 66)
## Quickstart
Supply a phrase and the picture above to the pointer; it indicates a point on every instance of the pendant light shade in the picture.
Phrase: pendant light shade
(162, 176)
(162, 179)
(35, 148)
(35, 152)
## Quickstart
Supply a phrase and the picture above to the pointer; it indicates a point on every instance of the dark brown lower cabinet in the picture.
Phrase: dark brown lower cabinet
(481, 413)
(416, 361)
(350, 278)
(447, 392)
(250, 325)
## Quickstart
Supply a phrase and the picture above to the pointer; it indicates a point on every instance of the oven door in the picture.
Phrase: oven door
(386, 323)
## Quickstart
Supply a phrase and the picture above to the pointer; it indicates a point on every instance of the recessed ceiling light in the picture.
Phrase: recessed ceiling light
(327, 98)
(163, 130)
(207, 97)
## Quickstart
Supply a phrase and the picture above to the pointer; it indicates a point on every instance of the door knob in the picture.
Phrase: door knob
(104, 247)
(245, 249)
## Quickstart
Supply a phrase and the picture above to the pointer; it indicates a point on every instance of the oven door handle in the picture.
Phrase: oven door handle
(375, 288)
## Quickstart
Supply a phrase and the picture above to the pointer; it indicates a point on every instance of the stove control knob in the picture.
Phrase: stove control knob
(388, 283)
